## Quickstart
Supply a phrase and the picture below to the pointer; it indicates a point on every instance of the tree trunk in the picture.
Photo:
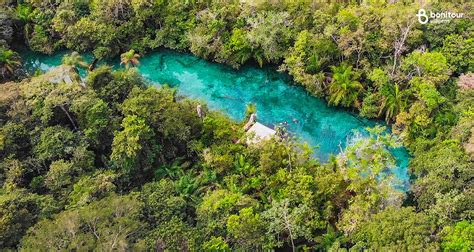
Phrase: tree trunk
(69, 116)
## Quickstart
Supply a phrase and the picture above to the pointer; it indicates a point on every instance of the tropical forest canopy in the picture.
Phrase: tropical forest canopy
(110, 162)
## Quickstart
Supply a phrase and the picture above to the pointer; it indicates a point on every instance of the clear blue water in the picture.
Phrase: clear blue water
(328, 129)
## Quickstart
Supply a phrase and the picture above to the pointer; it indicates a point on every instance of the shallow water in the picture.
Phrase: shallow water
(223, 88)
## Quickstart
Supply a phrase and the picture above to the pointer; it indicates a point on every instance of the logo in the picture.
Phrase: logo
(437, 17)
(422, 17)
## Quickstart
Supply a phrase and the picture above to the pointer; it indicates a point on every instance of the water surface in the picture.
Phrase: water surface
(278, 101)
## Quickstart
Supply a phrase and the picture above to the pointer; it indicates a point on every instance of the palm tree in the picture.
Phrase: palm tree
(9, 60)
(129, 58)
(259, 57)
(75, 60)
(394, 101)
(344, 88)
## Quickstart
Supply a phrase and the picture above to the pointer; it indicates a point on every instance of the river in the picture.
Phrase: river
(326, 128)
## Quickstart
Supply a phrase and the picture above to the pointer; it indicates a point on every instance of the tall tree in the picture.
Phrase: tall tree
(394, 101)
(129, 58)
(345, 86)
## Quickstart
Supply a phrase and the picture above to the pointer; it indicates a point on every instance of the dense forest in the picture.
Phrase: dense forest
(110, 162)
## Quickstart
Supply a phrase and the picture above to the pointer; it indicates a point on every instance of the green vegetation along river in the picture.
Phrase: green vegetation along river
(278, 101)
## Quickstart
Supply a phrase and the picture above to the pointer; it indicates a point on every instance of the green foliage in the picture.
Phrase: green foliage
(9, 62)
(215, 209)
(75, 60)
(440, 169)
(457, 50)
(247, 230)
(459, 237)
(271, 33)
(93, 117)
(55, 143)
(216, 244)
(370, 106)
(251, 108)
(23, 12)
(173, 235)
(395, 229)
(345, 87)
(189, 182)
(431, 66)
(364, 163)
(91, 188)
(19, 210)
(14, 140)
(133, 148)
(129, 58)
(287, 221)
(161, 202)
(41, 40)
(310, 56)
(394, 101)
(114, 87)
(59, 175)
(111, 223)
(240, 47)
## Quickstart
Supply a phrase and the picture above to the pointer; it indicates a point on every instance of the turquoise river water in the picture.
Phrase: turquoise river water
(328, 129)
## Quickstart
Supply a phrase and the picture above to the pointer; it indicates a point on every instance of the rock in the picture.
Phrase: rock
(61, 74)
(6, 29)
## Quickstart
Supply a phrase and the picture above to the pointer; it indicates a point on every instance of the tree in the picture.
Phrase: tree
(56, 105)
(215, 244)
(394, 101)
(9, 61)
(172, 235)
(456, 50)
(270, 32)
(14, 141)
(111, 223)
(400, 32)
(129, 58)
(113, 87)
(458, 237)
(55, 143)
(345, 87)
(134, 149)
(240, 48)
(175, 123)
(60, 175)
(395, 229)
(431, 67)
(75, 60)
(92, 188)
(309, 59)
(93, 117)
(287, 221)
(365, 165)
(160, 202)
(247, 230)
(19, 210)
(440, 167)
(215, 209)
